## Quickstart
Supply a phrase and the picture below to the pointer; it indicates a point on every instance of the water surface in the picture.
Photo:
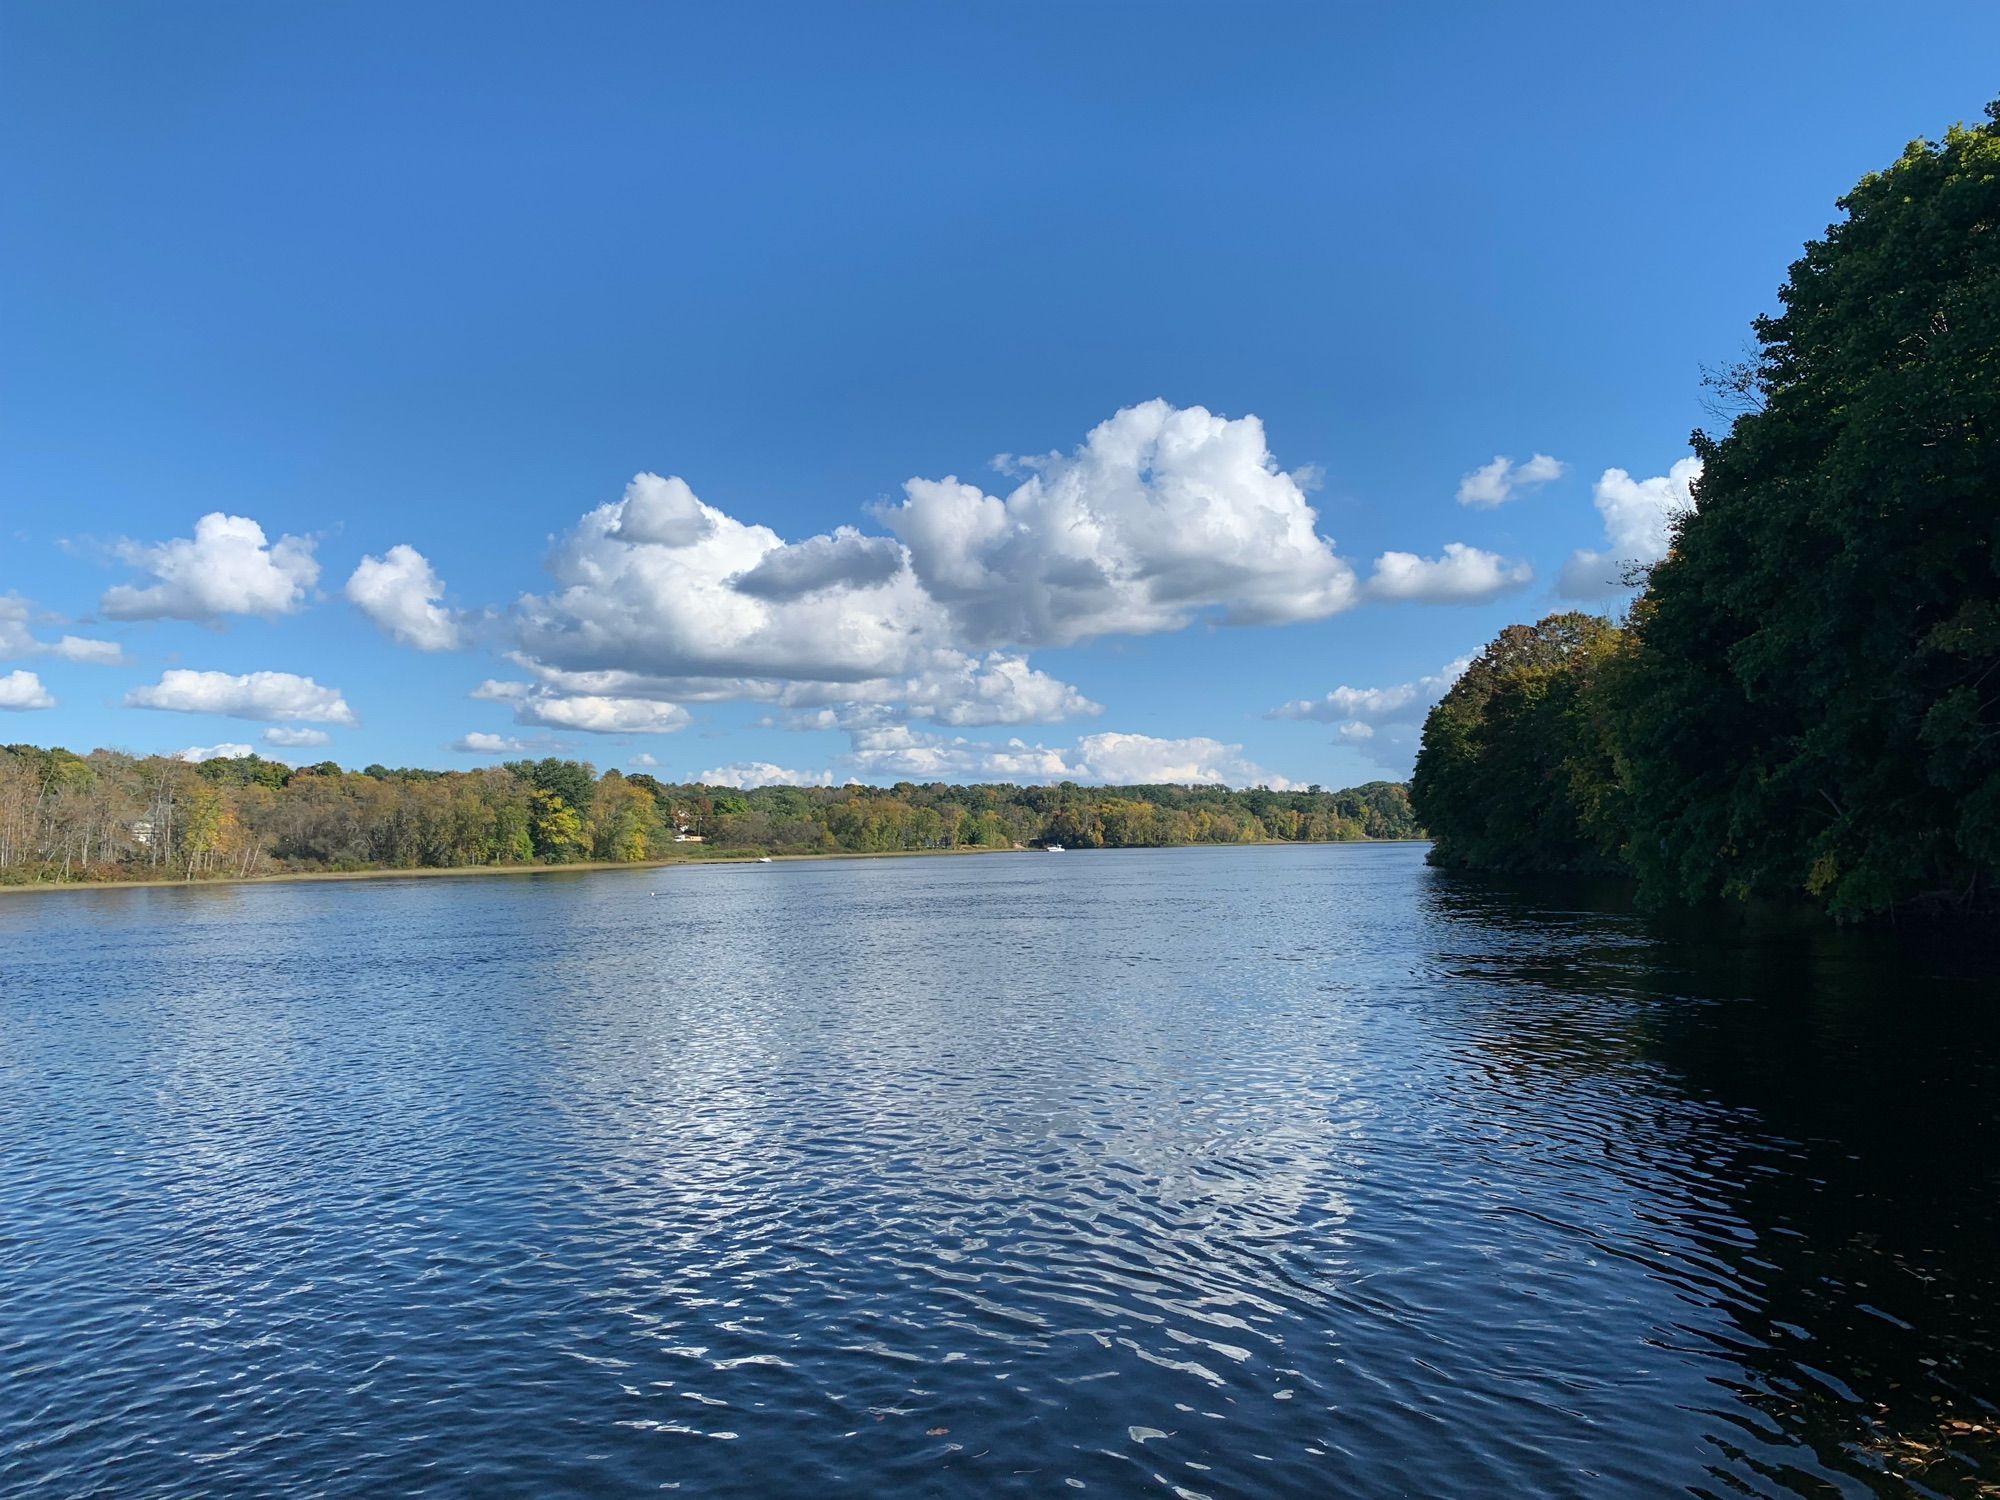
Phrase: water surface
(1258, 1172)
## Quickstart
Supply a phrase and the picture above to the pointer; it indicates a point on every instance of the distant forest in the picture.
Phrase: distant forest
(110, 816)
(1804, 703)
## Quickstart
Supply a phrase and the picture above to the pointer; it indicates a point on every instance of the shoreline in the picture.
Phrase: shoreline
(598, 866)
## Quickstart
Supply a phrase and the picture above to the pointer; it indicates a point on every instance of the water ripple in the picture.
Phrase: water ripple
(1205, 1173)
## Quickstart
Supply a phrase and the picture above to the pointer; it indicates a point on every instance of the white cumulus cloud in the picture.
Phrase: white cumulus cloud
(297, 738)
(227, 568)
(479, 742)
(1135, 759)
(960, 691)
(1108, 759)
(1161, 514)
(598, 714)
(999, 689)
(23, 690)
(751, 773)
(401, 593)
(736, 613)
(653, 610)
(80, 649)
(904, 753)
(1500, 481)
(254, 695)
(228, 750)
(1638, 527)
(1463, 575)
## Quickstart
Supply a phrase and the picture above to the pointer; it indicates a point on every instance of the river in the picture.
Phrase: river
(1213, 1172)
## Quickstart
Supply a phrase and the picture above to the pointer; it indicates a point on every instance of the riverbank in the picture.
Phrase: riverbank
(432, 872)
(292, 877)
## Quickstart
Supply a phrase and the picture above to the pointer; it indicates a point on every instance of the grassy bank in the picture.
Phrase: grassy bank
(287, 877)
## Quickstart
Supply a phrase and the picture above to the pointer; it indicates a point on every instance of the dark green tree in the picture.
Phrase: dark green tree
(1815, 702)
(246, 770)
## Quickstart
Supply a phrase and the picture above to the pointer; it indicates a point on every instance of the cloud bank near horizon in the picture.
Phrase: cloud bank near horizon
(1382, 723)
(900, 753)
(1162, 516)
(907, 639)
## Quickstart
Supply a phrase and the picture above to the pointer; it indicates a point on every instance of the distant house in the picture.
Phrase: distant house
(142, 832)
(684, 837)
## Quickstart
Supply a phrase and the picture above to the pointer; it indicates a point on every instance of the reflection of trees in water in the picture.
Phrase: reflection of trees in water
(1839, 1109)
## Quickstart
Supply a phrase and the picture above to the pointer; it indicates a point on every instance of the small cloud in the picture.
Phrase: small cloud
(297, 738)
(600, 714)
(1500, 481)
(401, 593)
(748, 774)
(1639, 517)
(253, 695)
(22, 691)
(1140, 759)
(1109, 759)
(478, 742)
(229, 750)
(95, 653)
(227, 568)
(1463, 575)
(16, 638)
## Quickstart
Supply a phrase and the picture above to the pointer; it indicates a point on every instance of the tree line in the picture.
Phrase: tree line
(1804, 701)
(111, 816)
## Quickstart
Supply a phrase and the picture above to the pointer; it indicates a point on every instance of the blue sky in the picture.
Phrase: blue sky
(1238, 279)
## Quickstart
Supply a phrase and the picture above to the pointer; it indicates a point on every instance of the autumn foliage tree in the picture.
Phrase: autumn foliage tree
(1512, 768)
(108, 816)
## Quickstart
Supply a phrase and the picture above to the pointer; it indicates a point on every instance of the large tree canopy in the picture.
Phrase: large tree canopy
(1813, 702)
(1809, 698)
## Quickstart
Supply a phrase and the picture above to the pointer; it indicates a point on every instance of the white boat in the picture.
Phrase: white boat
(1052, 848)
(763, 859)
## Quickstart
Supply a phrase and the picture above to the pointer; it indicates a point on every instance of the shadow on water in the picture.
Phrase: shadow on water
(1845, 1113)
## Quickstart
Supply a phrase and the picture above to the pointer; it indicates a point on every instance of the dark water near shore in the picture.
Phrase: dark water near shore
(1208, 1172)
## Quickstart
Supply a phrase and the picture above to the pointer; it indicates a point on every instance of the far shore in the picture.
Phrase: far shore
(428, 872)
